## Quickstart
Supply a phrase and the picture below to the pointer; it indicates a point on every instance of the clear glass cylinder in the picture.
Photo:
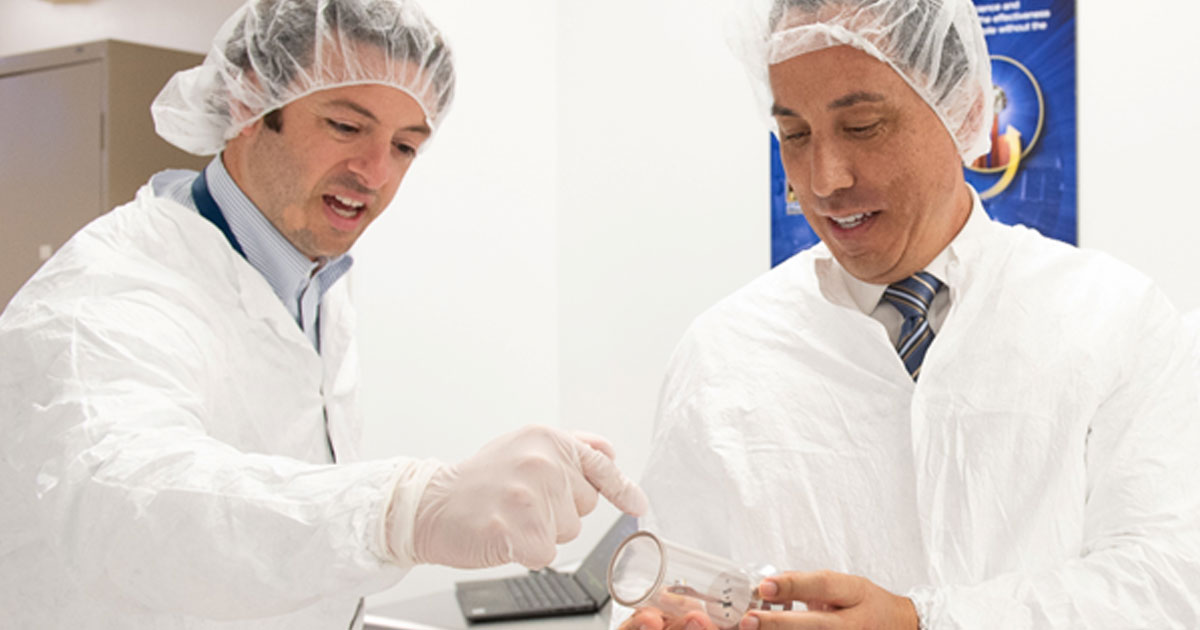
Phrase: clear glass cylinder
(649, 571)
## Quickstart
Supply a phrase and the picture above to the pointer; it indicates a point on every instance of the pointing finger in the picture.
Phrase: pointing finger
(597, 442)
(604, 475)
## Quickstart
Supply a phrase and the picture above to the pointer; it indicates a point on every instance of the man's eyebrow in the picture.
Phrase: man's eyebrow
(849, 100)
(349, 104)
(854, 98)
(780, 110)
(341, 102)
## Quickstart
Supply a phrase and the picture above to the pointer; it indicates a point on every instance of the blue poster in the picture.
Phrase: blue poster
(1030, 176)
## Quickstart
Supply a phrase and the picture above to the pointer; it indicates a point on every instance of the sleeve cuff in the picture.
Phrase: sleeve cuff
(922, 599)
(396, 523)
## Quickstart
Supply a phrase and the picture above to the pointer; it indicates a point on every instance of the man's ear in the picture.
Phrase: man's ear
(252, 128)
(239, 111)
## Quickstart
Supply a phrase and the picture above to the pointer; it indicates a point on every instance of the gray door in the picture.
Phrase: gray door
(50, 164)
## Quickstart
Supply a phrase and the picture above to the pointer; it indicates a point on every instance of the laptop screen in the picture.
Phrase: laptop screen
(592, 574)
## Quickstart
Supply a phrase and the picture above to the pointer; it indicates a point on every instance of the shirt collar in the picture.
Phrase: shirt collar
(865, 296)
(285, 268)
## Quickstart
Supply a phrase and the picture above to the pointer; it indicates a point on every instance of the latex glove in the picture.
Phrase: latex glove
(834, 600)
(516, 498)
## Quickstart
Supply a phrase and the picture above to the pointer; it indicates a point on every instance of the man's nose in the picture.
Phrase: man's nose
(373, 165)
(831, 169)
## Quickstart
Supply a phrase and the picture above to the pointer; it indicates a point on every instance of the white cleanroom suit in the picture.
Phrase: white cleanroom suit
(164, 442)
(1042, 473)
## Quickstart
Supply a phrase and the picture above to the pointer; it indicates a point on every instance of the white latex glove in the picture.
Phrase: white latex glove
(516, 498)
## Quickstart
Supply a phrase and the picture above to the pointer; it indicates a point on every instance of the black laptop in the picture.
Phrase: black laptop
(547, 592)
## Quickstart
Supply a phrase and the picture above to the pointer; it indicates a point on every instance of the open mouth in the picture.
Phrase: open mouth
(343, 207)
(853, 221)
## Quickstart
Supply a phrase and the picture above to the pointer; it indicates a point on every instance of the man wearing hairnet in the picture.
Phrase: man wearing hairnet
(932, 419)
(178, 392)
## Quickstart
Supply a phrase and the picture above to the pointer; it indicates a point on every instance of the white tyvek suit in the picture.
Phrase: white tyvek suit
(165, 460)
(1042, 473)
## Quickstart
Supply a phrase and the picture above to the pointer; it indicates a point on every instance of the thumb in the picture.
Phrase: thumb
(603, 474)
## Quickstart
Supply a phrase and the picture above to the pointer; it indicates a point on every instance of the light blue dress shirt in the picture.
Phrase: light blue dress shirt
(299, 282)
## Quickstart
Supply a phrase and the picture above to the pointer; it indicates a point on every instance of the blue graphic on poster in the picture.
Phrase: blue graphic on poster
(1030, 176)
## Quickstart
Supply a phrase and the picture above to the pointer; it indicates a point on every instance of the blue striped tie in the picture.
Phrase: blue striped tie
(912, 297)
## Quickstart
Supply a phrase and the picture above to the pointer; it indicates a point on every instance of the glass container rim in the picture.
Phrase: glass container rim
(662, 568)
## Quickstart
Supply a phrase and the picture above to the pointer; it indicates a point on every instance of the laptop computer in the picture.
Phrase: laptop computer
(546, 593)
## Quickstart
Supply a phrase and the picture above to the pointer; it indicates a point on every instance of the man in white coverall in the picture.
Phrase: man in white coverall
(1038, 469)
(177, 398)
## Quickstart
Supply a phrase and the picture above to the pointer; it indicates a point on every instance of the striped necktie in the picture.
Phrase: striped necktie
(912, 297)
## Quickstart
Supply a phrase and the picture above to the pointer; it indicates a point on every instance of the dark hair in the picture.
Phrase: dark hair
(274, 120)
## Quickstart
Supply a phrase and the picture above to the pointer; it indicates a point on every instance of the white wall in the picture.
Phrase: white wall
(662, 203)
(1139, 82)
(456, 284)
(602, 178)
(646, 227)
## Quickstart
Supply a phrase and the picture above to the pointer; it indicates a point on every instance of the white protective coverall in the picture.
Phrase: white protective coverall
(165, 459)
(1041, 474)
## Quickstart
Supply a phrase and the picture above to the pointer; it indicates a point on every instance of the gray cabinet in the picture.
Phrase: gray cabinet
(76, 139)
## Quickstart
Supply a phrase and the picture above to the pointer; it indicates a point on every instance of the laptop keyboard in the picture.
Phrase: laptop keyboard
(548, 590)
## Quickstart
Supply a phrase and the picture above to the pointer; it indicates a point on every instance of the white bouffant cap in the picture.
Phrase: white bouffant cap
(937, 46)
(272, 52)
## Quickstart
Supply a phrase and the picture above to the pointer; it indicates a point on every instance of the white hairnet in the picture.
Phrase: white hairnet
(272, 52)
(937, 46)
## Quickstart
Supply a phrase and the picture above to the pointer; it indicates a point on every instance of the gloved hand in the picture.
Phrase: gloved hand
(516, 498)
